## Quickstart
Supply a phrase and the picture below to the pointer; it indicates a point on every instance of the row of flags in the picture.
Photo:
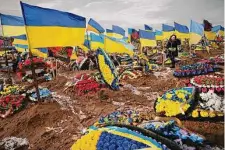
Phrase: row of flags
(36, 31)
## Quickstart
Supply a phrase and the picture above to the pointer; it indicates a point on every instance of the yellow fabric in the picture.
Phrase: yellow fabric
(182, 36)
(116, 47)
(38, 53)
(54, 36)
(21, 42)
(221, 33)
(90, 28)
(119, 36)
(194, 38)
(13, 30)
(166, 35)
(96, 45)
(159, 37)
(210, 35)
(110, 34)
(20, 49)
(146, 42)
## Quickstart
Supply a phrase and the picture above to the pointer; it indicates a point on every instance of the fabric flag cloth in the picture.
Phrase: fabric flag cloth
(210, 35)
(21, 40)
(113, 45)
(147, 38)
(74, 55)
(51, 28)
(40, 52)
(85, 46)
(12, 25)
(118, 32)
(158, 35)
(181, 31)
(196, 32)
(96, 41)
(109, 32)
(167, 31)
(95, 26)
(148, 28)
(219, 30)
(207, 25)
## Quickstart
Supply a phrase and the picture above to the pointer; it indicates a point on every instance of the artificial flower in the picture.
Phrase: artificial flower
(204, 113)
(195, 114)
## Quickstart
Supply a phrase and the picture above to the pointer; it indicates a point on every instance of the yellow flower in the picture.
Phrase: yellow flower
(212, 114)
(181, 96)
(195, 113)
(204, 113)
(169, 96)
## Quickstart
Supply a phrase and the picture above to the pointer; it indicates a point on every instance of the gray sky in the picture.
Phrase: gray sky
(131, 13)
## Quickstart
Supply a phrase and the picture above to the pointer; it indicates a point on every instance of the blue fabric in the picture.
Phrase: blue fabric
(157, 32)
(96, 25)
(147, 27)
(217, 28)
(118, 30)
(181, 28)
(167, 27)
(109, 31)
(97, 38)
(21, 37)
(146, 35)
(87, 44)
(38, 16)
(11, 20)
(196, 28)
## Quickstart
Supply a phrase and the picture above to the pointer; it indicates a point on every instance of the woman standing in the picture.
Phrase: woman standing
(172, 49)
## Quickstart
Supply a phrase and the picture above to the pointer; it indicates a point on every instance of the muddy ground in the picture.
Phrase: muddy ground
(57, 123)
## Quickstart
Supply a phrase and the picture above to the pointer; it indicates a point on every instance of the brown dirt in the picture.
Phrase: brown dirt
(50, 126)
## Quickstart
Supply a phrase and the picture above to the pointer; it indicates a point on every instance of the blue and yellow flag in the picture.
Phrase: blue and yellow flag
(12, 25)
(147, 38)
(167, 31)
(219, 30)
(95, 27)
(113, 45)
(158, 35)
(85, 46)
(20, 40)
(51, 28)
(40, 52)
(181, 31)
(96, 41)
(210, 35)
(118, 32)
(109, 32)
(196, 32)
(148, 28)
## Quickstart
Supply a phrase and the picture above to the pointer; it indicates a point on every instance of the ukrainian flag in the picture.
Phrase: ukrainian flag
(147, 38)
(158, 35)
(51, 28)
(181, 31)
(12, 25)
(40, 52)
(20, 40)
(95, 27)
(219, 30)
(113, 45)
(97, 41)
(167, 31)
(85, 46)
(196, 32)
(109, 32)
(118, 32)
(148, 28)
(210, 35)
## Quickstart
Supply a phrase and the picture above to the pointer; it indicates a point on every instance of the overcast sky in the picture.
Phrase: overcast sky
(131, 13)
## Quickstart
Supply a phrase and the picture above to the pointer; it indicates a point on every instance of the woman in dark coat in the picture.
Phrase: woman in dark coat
(172, 49)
